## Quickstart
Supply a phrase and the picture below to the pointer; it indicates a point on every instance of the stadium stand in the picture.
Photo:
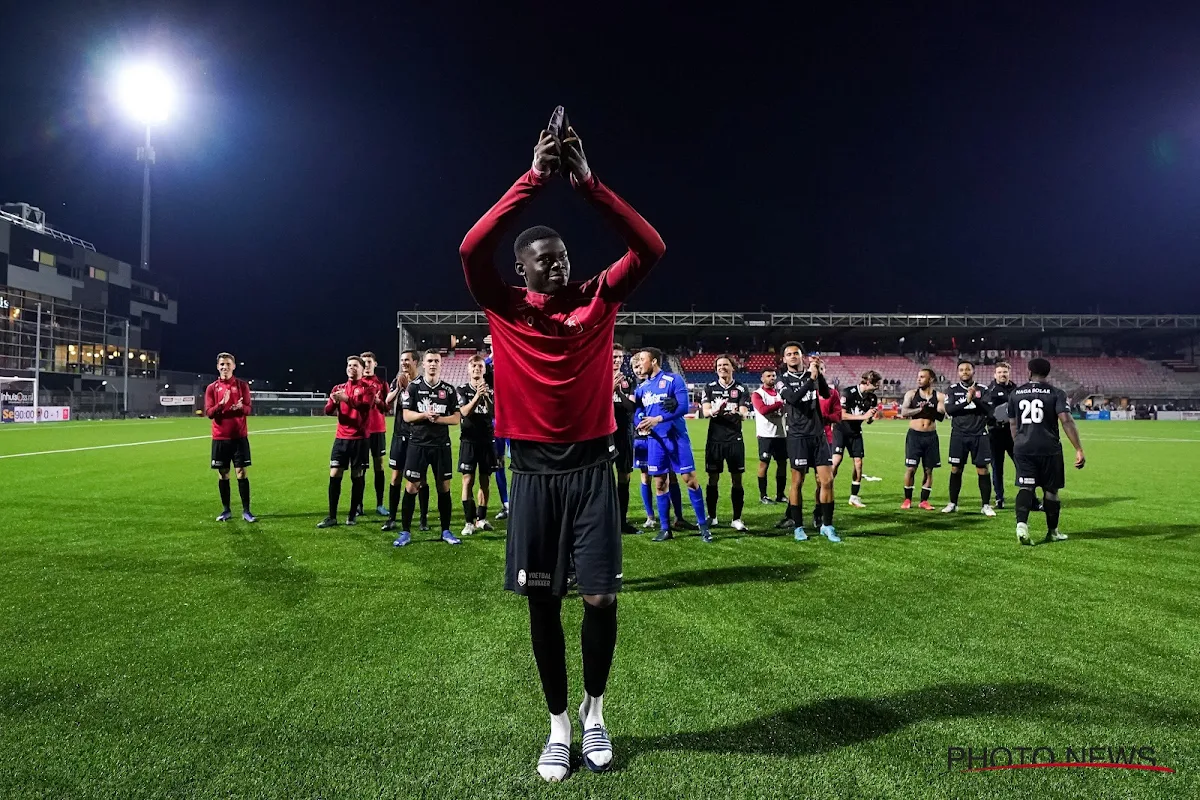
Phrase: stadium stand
(454, 367)
(1134, 377)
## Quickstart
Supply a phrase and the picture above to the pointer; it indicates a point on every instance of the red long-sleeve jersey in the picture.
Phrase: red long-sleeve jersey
(553, 352)
(831, 411)
(376, 422)
(762, 407)
(353, 414)
(219, 400)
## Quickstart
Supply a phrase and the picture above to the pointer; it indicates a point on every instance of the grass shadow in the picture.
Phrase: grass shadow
(720, 576)
(1094, 502)
(1176, 531)
(836, 722)
(265, 567)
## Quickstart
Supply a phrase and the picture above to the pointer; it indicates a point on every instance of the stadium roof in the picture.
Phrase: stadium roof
(753, 322)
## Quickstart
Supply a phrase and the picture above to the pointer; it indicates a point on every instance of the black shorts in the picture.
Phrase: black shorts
(437, 458)
(230, 451)
(808, 452)
(975, 446)
(623, 439)
(922, 448)
(1044, 470)
(350, 454)
(397, 452)
(377, 444)
(559, 518)
(1000, 440)
(474, 455)
(719, 454)
(848, 443)
(772, 447)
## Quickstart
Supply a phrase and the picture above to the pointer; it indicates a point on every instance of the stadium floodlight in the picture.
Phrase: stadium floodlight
(148, 96)
(146, 93)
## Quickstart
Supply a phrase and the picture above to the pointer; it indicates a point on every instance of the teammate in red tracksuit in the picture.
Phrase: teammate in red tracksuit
(227, 404)
(351, 402)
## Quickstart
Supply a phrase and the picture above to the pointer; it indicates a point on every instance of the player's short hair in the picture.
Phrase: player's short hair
(368, 354)
(932, 374)
(1039, 366)
(226, 355)
(530, 235)
(962, 361)
(1004, 364)
(872, 377)
(725, 357)
(769, 369)
(654, 354)
(476, 358)
(794, 344)
(618, 346)
(433, 351)
(403, 353)
(356, 358)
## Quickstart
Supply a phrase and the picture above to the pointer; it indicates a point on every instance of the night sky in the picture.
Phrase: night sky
(325, 163)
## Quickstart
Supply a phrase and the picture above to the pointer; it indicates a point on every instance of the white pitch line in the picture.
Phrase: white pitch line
(314, 428)
(1089, 438)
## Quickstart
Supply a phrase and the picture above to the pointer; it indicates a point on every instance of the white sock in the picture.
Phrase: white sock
(592, 712)
(560, 733)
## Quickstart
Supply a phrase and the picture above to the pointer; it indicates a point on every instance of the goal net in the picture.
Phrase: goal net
(18, 398)
(288, 404)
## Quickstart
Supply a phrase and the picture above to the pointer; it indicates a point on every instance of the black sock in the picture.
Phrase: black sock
(827, 513)
(908, 490)
(481, 512)
(855, 488)
(762, 485)
(335, 494)
(358, 487)
(550, 650)
(244, 493)
(1053, 509)
(985, 489)
(780, 481)
(623, 499)
(925, 490)
(380, 482)
(407, 505)
(998, 476)
(469, 513)
(598, 638)
(423, 494)
(955, 486)
(223, 486)
(445, 509)
(1024, 503)
(798, 512)
(738, 495)
(711, 493)
(394, 492)
(817, 505)
(791, 513)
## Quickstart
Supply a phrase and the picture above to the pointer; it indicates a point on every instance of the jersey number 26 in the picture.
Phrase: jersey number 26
(1032, 412)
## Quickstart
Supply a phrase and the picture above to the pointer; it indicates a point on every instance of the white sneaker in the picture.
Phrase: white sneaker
(468, 529)
(712, 523)
(950, 508)
(987, 511)
(854, 501)
(870, 479)
(738, 525)
(1023, 533)
(483, 525)
(650, 522)
(1055, 536)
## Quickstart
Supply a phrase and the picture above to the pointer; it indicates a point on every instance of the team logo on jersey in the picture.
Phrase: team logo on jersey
(733, 394)
(662, 384)
(573, 324)
(521, 577)
(441, 394)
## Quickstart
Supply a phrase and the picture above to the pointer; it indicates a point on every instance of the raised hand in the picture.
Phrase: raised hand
(546, 154)
(576, 161)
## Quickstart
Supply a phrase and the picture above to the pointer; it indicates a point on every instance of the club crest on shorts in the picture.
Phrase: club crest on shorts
(521, 577)
(573, 324)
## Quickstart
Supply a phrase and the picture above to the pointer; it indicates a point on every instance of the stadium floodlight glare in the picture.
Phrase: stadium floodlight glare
(146, 93)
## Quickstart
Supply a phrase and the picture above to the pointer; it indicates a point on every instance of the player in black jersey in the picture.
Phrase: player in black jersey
(476, 450)
(396, 398)
(922, 407)
(999, 436)
(1035, 410)
(726, 403)
(807, 446)
(623, 408)
(967, 407)
(432, 406)
(859, 405)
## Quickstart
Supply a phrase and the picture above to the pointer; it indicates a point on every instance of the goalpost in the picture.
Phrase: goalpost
(17, 394)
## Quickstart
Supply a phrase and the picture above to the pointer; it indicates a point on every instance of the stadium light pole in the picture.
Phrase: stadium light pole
(148, 96)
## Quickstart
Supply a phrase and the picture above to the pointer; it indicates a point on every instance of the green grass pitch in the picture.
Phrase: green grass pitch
(149, 651)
